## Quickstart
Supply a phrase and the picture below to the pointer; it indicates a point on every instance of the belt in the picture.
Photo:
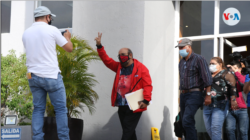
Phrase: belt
(190, 90)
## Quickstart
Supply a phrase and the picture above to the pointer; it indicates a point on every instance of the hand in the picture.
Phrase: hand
(98, 39)
(67, 34)
(234, 69)
(234, 105)
(142, 105)
(208, 100)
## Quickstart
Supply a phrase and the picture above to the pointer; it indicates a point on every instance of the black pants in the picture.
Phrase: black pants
(129, 121)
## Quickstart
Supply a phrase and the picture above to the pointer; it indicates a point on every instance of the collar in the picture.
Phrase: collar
(129, 67)
(192, 55)
(39, 23)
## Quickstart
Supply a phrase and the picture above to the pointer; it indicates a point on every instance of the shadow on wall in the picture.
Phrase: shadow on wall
(112, 130)
(166, 126)
(143, 129)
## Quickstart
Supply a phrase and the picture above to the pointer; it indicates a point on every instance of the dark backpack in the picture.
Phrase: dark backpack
(178, 129)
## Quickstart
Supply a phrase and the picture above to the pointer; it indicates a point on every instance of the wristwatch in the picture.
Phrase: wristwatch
(208, 93)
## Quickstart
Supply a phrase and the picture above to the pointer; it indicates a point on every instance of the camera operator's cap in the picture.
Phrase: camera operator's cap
(42, 11)
(184, 42)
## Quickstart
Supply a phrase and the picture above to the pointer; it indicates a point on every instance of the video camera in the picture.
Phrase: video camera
(246, 61)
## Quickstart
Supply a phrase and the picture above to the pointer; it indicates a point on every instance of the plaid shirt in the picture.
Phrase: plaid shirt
(194, 73)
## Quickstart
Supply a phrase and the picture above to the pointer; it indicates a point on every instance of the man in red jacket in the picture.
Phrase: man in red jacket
(131, 75)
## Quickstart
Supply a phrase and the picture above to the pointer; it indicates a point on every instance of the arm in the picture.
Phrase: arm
(205, 74)
(69, 46)
(240, 77)
(246, 88)
(247, 78)
(208, 100)
(64, 41)
(231, 84)
(147, 87)
(109, 62)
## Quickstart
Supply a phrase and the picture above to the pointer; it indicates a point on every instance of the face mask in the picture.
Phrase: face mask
(183, 53)
(212, 68)
(123, 59)
(50, 22)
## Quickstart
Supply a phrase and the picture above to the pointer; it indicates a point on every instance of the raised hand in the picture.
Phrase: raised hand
(98, 39)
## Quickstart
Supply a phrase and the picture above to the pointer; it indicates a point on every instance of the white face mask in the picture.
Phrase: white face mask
(212, 68)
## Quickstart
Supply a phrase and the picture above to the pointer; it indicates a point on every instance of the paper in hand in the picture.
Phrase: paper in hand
(133, 98)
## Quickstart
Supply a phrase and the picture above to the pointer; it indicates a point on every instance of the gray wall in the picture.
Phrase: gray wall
(148, 29)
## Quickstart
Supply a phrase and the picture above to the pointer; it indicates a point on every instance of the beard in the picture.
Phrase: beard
(124, 64)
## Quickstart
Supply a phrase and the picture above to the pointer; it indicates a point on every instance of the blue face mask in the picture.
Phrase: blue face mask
(183, 53)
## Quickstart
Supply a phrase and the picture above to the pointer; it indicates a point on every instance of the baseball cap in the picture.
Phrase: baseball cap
(42, 11)
(184, 42)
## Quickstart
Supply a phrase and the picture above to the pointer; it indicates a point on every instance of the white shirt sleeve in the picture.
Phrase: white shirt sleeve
(60, 39)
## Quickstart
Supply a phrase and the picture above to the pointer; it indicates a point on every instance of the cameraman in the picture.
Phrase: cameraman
(240, 115)
(44, 75)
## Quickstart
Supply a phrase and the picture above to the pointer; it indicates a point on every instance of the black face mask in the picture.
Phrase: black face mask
(50, 22)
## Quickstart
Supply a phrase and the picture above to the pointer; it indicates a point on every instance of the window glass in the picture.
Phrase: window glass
(204, 48)
(234, 16)
(196, 18)
(5, 16)
(63, 11)
(237, 42)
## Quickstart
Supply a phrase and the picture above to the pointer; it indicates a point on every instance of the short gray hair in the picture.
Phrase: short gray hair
(130, 52)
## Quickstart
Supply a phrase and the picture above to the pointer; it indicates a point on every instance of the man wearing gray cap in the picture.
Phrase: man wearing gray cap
(194, 77)
(43, 71)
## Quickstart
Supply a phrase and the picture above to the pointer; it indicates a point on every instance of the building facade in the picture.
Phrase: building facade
(151, 30)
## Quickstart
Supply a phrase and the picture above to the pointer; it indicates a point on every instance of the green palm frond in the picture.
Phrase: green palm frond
(78, 81)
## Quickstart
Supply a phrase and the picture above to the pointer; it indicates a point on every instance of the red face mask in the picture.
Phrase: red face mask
(123, 58)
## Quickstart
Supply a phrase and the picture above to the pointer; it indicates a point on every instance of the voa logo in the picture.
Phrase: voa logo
(231, 16)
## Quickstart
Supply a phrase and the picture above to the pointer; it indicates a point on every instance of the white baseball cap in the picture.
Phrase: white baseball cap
(42, 11)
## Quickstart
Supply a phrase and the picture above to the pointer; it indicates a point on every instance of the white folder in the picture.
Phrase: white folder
(133, 98)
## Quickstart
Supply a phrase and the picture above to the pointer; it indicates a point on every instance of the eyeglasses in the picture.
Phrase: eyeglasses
(122, 55)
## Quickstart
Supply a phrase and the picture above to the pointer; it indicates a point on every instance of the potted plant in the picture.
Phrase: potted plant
(79, 85)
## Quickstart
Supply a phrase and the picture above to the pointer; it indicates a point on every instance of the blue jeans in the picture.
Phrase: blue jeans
(55, 88)
(214, 118)
(190, 103)
(241, 118)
